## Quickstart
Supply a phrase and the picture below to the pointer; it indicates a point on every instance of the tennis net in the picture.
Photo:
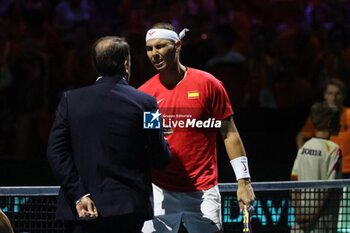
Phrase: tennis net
(32, 209)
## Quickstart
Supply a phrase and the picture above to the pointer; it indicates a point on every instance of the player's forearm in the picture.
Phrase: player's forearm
(232, 140)
(235, 150)
(234, 146)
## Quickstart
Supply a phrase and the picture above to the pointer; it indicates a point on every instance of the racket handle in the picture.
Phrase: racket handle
(245, 219)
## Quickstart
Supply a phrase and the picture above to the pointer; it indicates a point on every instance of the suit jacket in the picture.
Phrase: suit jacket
(97, 145)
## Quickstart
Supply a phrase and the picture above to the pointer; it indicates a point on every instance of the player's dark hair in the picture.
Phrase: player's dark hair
(324, 117)
(164, 25)
(109, 54)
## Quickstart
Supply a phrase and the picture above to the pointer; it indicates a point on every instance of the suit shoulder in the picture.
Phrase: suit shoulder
(139, 95)
(77, 91)
(142, 94)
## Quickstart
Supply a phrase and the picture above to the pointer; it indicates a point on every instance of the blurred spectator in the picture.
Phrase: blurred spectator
(337, 64)
(37, 36)
(240, 20)
(259, 86)
(79, 70)
(227, 64)
(4, 5)
(70, 12)
(8, 52)
(199, 46)
(274, 54)
(290, 89)
(28, 95)
(334, 95)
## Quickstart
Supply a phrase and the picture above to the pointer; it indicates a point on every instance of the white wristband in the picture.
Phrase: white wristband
(240, 167)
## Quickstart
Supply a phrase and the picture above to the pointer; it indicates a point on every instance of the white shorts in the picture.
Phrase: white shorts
(200, 212)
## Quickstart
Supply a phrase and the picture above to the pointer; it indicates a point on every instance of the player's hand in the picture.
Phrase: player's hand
(86, 209)
(245, 193)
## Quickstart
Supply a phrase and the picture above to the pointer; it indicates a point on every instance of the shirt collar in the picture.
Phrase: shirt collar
(116, 78)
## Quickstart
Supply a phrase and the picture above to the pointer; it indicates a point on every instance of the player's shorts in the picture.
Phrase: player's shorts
(199, 212)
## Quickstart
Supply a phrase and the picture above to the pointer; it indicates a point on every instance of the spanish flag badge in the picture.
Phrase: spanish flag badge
(193, 94)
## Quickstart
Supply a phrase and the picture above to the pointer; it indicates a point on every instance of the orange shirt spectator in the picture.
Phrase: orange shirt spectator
(334, 94)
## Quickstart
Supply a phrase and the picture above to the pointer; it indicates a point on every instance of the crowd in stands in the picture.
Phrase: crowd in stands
(270, 54)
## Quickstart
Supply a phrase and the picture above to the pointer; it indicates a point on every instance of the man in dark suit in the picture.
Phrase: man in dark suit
(99, 151)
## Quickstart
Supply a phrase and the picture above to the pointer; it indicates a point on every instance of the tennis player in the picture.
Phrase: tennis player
(194, 107)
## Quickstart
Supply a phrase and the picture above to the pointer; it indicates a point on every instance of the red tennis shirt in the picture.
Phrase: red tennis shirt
(192, 112)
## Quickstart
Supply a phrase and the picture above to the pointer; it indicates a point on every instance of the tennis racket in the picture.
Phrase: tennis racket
(246, 219)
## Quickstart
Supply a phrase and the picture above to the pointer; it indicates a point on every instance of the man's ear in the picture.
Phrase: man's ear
(178, 45)
(126, 66)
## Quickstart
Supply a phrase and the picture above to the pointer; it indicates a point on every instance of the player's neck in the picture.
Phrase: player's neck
(323, 134)
(172, 76)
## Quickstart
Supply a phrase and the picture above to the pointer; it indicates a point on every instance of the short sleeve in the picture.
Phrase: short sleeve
(219, 101)
(334, 164)
(294, 173)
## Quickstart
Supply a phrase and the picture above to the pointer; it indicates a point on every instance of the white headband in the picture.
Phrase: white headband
(160, 33)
